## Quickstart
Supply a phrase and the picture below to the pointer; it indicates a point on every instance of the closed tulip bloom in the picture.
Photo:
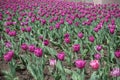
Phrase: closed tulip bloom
(51, 28)
(41, 38)
(77, 24)
(115, 72)
(94, 64)
(46, 42)
(57, 26)
(80, 35)
(112, 30)
(52, 62)
(67, 40)
(91, 38)
(28, 29)
(31, 48)
(66, 35)
(8, 44)
(8, 56)
(98, 47)
(24, 46)
(14, 23)
(12, 33)
(61, 56)
(43, 21)
(38, 52)
(76, 47)
(7, 30)
(80, 63)
(117, 54)
(23, 29)
(97, 56)
(96, 29)
(70, 22)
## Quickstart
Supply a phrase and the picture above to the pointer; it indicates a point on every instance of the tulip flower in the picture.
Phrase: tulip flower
(67, 40)
(94, 64)
(38, 52)
(115, 72)
(24, 46)
(76, 47)
(80, 63)
(61, 56)
(52, 62)
(46, 42)
(98, 47)
(97, 56)
(8, 56)
(91, 38)
(31, 48)
(80, 35)
(117, 54)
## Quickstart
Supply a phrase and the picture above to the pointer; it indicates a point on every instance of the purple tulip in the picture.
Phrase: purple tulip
(80, 63)
(97, 56)
(8, 56)
(76, 47)
(57, 26)
(46, 42)
(23, 29)
(8, 44)
(43, 21)
(80, 35)
(24, 46)
(28, 29)
(66, 35)
(12, 33)
(31, 48)
(112, 30)
(98, 47)
(77, 24)
(7, 30)
(67, 40)
(38, 52)
(91, 38)
(96, 29)
(70, 22)
(51, 28)
(41, 38)
(117, 54)
(61, 56)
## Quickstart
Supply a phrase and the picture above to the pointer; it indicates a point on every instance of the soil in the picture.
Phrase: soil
(23, 74)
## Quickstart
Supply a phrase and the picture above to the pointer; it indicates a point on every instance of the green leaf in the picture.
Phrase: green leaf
(93, 76)
(68, 71)
(32, 70)
(59, 66)
(75, 76)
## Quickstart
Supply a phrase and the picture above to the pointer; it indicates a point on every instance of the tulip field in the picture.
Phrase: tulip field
(59, 40)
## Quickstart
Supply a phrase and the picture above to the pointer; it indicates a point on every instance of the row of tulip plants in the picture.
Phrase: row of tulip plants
(72, 40)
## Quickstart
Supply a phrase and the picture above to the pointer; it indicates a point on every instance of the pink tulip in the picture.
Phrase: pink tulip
(94, 64)
(52, 62)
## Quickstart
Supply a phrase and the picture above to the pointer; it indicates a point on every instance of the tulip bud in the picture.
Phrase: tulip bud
(94, 64)
(80, 64)
(61, 56)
